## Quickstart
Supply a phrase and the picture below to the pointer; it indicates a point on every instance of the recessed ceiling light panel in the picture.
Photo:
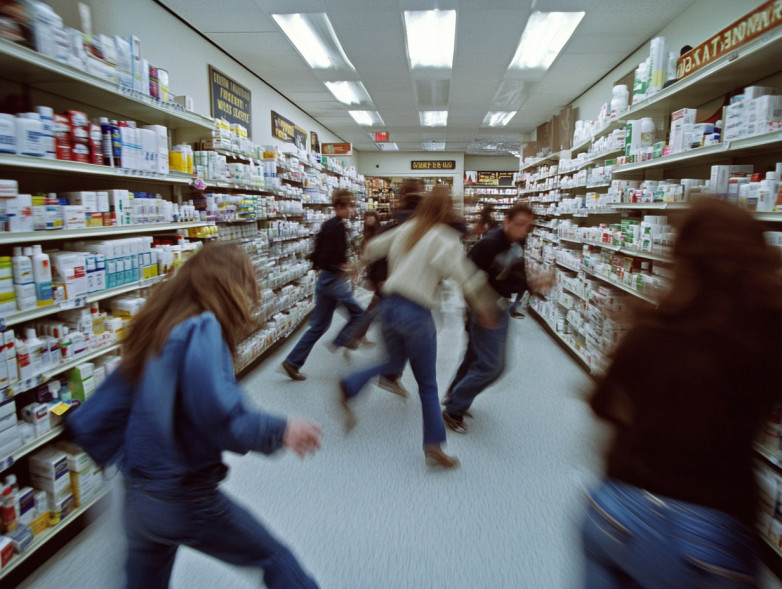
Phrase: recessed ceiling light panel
(314, 37)
(433, 118)
(431, 35)
(349, 93)
(543, 38)
(498, 118)
(367, 118)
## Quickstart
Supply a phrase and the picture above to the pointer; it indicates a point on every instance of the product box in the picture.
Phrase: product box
(21, 537)
(720, 175)
(26, 500)
(80, 381)
(74, 217)
(18, 212)
(6, 551)
(8, 188)
(87, 199)
(49, 463)
(39, 523)
(137, 69)
(680, 118)
(38, 415)
(56, 490)
(69, 272)
(752, 92)
(10, 435)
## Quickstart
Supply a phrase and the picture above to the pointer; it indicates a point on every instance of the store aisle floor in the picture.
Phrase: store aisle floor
(367, 513)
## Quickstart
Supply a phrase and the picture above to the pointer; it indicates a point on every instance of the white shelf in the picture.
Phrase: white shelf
(606, 130)
(705, 155)
(671, 206)
(282, 336)
(39, 312)
(567, 266)
(48, 375)
(30, 446)
(26, 66)
(563, 340)
(570, 239)
(7, 238)
(621, 286)
(49, 533)
(40, 164)
(608, 246)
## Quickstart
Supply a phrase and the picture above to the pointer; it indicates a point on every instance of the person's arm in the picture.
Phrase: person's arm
(214, 401)
(379, 246)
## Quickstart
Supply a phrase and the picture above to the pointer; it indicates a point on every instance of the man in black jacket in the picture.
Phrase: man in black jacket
(332, 287)
(501, 255)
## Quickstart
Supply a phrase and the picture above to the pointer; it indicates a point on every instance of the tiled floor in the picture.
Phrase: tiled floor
(366, 513)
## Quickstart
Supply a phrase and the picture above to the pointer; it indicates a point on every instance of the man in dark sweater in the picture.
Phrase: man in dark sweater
(501, 255)
(332, 287)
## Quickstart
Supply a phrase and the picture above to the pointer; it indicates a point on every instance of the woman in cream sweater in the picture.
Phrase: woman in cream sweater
(421, 253)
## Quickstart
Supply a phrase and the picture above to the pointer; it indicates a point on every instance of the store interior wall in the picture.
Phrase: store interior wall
(169, 43)
(398, 164)
(700, 21)
(491, 163)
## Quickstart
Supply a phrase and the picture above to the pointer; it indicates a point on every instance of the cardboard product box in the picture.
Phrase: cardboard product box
(720, 176)
(81, 382)
(6, 551)
(49, 463)
(9, 188)
(752, 92)
(680, 118)
(26, 501)
(18, 213)
(74, 217)
(21, 537)
(39, 523)
(56, 490)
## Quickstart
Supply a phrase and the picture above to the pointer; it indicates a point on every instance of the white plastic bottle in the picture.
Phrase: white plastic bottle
(767, 193)
(29, 133)
(620, 100)
(23, 267)
(42, 274)
(647, 132)
(35, 349)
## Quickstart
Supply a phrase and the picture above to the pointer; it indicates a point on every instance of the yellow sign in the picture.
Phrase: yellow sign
(433, 165)
(230, 100)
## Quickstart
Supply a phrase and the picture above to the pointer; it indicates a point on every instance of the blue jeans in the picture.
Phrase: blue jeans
(409, 334)
(635, 540)
(208, 522)
(484, 361)
(330, 290)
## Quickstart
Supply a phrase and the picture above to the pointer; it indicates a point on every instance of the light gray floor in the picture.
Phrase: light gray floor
(366, 513)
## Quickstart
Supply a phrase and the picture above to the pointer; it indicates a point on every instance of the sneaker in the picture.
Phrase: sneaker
(447, 399)
(455, 423)
(517, 315)
(292, 371)
(392, 386)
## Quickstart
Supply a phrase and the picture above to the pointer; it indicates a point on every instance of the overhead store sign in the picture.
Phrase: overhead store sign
(229, 99)
(286, 131)
(748, 27)
(336, 148)
(314, 142)
(489, 178)
(433, 165)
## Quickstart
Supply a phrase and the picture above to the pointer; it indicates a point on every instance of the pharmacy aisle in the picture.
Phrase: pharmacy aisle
(366, 512)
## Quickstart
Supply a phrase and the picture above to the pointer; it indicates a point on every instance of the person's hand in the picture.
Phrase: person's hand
(302, 436)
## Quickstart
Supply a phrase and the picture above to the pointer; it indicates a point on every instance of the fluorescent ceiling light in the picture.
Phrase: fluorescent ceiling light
(543, 38)
(430, 37)
(433, 118)
(387, 146)
(366, 118)
(434, 145)
(350, 93)
(314, 37)
(498, 118)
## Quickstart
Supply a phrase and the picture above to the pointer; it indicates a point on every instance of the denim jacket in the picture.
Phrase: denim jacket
(169, 431)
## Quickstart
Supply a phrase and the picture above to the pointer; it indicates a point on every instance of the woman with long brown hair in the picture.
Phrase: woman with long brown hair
(171, 409)
(688, 389)
(421, 252)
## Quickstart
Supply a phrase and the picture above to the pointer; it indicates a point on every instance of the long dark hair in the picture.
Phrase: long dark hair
(724, 271)
(219, 278)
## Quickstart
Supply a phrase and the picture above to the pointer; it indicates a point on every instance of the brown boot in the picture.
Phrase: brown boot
(436, 457)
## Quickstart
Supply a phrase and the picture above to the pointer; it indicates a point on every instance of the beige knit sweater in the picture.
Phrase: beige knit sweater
(417, 273)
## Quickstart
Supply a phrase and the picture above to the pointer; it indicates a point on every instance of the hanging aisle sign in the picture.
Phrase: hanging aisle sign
(748, 27)
(433, 165)
(229, 100)
(488, 178)
(286, 131)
